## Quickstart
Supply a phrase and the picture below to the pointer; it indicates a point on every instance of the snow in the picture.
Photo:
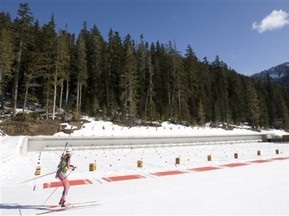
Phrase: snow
(259, 185)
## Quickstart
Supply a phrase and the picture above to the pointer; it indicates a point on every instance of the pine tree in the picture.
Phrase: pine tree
(284, 108)
(64, 40)
(193, 88)
(181, 86)
(32, 62)
(156, 81)
(6, 54)
(72, 70)
(61, 68)
(22, 30)
(263, 97)
(220, 90)
(114, 65)
(49, 59)
(163, 78)
(150, 109)
(81, 69)
(95, 47)
(129, 80)
(206, 94)
(253, 105)
(142, 76)
(236, 97)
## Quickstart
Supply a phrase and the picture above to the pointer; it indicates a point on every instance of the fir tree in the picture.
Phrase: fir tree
(22, 30)
(129, 80)
(81, 69)
(6, 54)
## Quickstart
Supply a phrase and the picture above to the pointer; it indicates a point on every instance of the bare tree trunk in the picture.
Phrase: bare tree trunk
(25, 96)
(1, 90)
(179, 100)
(80, 93)
(108, 91)
(67, 93)
(47, 106)
(15, 95)
(61, 93)
(54, 97)
(77, 98)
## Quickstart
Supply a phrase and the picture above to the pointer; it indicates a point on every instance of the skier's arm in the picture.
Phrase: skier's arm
(69, 166)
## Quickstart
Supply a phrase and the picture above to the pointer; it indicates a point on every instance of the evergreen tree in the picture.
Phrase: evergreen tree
(114, 65)
(156, 81)
(163, 75)
(31, 61)
(206, 94)
(236, 97)
(220, 90)
(22, 30)
(179, 83)
(48, 67)
(61, 67)
(6, 54)
(284, 108)
(150, 110)
(129, 80)
(64, 48)
(252, 100)
(70, 75)
(95, 47)
(193, 86)
(270, 101)
(263, 97)
(142, 76)
(81, 69)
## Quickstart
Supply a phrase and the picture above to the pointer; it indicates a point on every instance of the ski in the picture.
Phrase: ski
(70, 206)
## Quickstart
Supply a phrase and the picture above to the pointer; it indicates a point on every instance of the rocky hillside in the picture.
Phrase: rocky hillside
(279, 74)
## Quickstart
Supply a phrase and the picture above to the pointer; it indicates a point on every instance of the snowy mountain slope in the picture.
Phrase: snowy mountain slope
(279, 74)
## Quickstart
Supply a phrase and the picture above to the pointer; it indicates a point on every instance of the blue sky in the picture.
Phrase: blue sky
(248, 35)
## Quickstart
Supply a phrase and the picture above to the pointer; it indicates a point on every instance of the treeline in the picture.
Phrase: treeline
(120, 78)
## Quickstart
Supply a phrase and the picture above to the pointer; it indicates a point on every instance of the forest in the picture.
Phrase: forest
(57, 72)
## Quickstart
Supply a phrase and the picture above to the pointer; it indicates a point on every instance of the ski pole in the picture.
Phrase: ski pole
(47, 173)
(57, 187)
(37, 177)
(50, 195)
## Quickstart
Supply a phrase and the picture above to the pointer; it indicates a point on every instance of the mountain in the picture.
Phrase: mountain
(279, 74)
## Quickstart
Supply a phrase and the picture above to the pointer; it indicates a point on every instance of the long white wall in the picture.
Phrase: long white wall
(50, 143)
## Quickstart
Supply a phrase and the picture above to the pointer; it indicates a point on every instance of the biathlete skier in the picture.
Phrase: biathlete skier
(63, 167)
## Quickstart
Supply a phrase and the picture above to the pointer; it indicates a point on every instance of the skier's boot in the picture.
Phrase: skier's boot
(62, 202)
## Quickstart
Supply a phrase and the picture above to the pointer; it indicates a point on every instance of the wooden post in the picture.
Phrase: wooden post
(139, 163)
(177, 160)
(209, 157)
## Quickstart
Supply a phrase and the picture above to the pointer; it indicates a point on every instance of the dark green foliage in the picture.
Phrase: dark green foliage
(6, 55)
(120, 79)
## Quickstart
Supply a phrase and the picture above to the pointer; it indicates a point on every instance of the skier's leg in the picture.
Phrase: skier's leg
(66, 187)
(65, 184)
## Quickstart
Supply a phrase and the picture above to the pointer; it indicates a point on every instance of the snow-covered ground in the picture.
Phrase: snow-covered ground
(249, 184)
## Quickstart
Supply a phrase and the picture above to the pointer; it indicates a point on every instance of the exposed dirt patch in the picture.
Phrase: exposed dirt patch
(36, 127)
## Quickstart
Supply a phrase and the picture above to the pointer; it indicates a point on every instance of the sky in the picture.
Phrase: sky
(248, 35)
(251, 184)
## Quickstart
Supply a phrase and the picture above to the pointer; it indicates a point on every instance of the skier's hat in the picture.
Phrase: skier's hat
(68, 150)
